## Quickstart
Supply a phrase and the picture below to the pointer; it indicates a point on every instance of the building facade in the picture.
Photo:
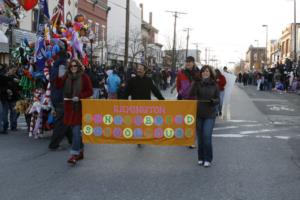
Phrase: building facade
(274, 52)
(152, 49)
(287, 40)
(116, 24)
(96, 12)
(255, 58)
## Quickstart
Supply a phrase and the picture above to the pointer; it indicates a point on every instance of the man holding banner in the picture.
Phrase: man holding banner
(141, 86)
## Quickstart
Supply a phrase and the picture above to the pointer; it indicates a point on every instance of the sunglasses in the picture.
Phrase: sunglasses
(74, 65)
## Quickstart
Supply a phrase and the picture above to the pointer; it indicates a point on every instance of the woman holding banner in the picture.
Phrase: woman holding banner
(76, 85)
(206, 91)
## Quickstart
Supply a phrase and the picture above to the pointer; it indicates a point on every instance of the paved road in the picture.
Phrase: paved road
(256, 156)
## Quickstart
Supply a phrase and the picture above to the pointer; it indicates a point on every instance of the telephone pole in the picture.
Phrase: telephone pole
(187, 41)
(295, 33)
(176, 13)
(127, 34)
(197, 52)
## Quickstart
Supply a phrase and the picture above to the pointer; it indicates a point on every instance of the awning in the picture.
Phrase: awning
(19, 36)
(4, 48)
(3, 38)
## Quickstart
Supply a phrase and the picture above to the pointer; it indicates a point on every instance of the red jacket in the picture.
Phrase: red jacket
(221, 80)
(184, 83)
(72, 117)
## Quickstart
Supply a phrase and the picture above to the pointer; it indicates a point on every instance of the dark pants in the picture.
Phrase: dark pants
(204, 137)
(60, 130)
(9, 108)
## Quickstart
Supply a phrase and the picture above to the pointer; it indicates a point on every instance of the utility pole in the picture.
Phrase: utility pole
(176, 13)
(127, 34)
(187, 41)
(197, 52)
(206, 55)
(266, 58)
(295, 33)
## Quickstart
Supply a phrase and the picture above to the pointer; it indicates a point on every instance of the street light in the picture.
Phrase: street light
(102, 44)
(266, 56)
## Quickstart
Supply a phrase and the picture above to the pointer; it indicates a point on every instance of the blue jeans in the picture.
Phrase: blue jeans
(77, 144)
(96, 93)
(220, 106)
(204, 137)
(13, 116)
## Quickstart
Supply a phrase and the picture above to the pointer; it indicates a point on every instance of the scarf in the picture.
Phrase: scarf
(72, 88)
(190, 73)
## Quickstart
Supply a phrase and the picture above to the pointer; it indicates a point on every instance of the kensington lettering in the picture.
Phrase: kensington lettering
(140, 109)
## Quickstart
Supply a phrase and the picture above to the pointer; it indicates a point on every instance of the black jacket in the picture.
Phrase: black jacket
(207, 94)
(141, 88)
(9, 83)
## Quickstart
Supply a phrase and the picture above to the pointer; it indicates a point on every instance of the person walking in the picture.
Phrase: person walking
(60, 130)
(95, 79)
(185, 78)
(206, 92)
(184, 81)
(76, 85)
(10, 94)
(113, 84)
(141, 86)
(221, 81)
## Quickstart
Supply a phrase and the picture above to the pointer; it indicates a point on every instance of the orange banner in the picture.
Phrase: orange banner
(139, 122)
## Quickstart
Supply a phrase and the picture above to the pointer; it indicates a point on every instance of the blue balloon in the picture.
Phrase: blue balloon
(49, 54)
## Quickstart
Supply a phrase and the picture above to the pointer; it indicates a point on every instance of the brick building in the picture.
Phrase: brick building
(95, 12)
(255, 57)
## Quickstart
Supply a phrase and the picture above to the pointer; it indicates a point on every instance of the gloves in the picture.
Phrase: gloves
(75, 99)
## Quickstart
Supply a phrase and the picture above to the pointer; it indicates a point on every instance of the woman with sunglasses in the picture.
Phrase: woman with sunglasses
(206, 91)
(76, 85)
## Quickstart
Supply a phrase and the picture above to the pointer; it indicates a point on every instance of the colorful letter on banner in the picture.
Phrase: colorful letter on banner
(139, 122)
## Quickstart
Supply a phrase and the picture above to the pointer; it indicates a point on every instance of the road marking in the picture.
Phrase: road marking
(263, 136)
(241, 121)
(277, 107)
(251, 125)
(229, 135)
(225, 128)
(282, 137)
(257, 131)
(228, 113)
(269, 100)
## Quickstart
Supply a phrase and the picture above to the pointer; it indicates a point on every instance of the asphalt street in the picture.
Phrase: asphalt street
(256, 156)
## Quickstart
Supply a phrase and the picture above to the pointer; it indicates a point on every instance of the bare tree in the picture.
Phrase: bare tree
(179, 54)
(113, 49)
(136, 45)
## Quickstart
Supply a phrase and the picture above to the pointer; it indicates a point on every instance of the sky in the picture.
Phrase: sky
(226, 27)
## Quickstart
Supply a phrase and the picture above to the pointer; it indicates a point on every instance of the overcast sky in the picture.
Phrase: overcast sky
(228, 27)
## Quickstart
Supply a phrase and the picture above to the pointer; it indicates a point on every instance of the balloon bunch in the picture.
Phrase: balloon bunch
(9, 11)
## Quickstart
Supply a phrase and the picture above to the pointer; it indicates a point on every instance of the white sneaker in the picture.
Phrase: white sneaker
(200, 162)
(207, 164)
